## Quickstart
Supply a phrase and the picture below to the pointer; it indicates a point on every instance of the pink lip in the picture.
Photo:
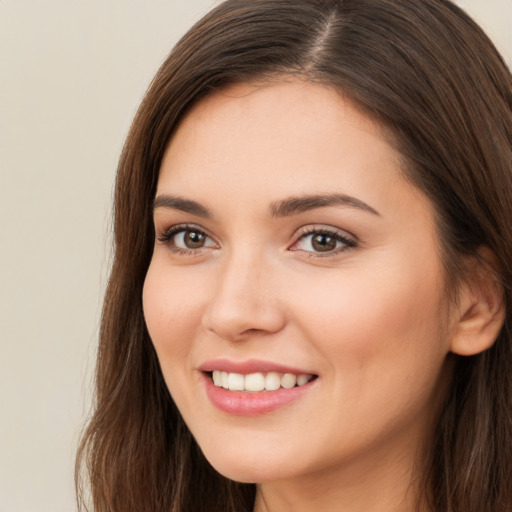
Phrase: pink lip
(246, 403)
(249, 366)
(252, 404)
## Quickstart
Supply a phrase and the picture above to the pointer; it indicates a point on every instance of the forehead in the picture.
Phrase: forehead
(278, 126)
(266, 108)
(261, 142)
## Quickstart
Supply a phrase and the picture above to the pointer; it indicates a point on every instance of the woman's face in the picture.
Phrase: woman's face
(291, 250)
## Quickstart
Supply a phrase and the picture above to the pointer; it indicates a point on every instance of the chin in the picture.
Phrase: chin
(246, 468)
(248, 474)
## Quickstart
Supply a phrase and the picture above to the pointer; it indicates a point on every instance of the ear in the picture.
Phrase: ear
(481, 308)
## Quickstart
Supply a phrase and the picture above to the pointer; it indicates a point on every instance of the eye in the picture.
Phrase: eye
(323, 242)
(186, 239)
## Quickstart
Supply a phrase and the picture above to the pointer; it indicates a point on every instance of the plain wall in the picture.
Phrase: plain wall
(72, 75)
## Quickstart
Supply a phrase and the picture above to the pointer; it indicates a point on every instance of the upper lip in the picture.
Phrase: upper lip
(250, 366)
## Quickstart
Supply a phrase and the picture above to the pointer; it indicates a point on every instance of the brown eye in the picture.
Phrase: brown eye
(194, 239)
(182, 238)
(323, 242)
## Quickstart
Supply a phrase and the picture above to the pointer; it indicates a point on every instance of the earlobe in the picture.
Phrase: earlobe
(481, 310)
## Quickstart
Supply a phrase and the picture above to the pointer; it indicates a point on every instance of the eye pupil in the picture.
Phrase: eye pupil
(194, 239)
(323, 242)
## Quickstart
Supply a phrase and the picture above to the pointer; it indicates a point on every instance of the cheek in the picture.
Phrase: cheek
(385, 319)
(172, 313)
(383, 346)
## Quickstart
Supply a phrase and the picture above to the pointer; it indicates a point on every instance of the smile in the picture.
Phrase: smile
(255, 392)
(259, 381)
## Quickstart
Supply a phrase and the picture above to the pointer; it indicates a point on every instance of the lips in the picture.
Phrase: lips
(250, 366)
(253, 387)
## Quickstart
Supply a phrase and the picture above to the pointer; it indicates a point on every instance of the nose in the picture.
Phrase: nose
(245, 300)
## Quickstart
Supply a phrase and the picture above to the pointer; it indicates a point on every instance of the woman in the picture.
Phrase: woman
(309, 305)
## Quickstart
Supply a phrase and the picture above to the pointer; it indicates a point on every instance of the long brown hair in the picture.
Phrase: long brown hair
(425, 71)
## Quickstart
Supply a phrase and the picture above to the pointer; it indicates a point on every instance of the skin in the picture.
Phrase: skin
(369, 318)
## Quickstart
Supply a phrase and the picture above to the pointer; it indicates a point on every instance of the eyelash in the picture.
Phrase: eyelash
(167, 238)
(347, 243)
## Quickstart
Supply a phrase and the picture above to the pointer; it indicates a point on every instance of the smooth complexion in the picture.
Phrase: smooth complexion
(349, 290)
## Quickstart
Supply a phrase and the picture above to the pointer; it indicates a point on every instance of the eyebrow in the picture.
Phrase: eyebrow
(182, 204)
(299, 204)
(283, 208)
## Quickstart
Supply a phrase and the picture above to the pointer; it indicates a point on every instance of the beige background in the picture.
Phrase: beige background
(72, 74)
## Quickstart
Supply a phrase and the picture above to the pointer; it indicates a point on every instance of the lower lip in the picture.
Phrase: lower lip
(252, 404)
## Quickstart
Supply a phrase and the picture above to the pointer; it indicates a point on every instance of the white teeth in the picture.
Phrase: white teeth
(236, 382)
(258, 381)
(288, 381)
(255, 382)
(303, 379)
(272, 381)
